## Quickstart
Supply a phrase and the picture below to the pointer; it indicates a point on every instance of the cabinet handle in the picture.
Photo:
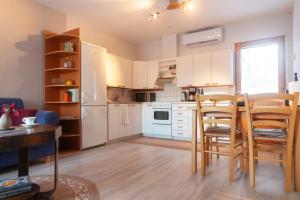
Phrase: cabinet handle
(131, 104)
(179, 113)
(180, 120)
(179, 133)
(117, 105)
(215, 84)
(179, 127)
(149, 105)
(207, 84)
(179, 107)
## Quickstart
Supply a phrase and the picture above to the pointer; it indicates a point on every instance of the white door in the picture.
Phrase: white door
(126, 73)
(222, 67)
(94, 125)
(135, 119)
(114, 121)
(152, 73)
(147, 116)
(139, 75)
(201, 69)
(93, 75)
(184, 68)
(114, 71)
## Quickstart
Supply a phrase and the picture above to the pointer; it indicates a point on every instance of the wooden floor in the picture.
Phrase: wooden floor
(126, 170)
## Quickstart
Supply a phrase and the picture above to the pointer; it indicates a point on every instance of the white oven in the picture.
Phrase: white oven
(162, 118)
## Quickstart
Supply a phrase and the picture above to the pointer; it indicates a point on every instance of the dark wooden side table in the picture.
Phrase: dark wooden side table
(22, 139)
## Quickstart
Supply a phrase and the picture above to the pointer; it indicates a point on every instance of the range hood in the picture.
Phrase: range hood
(167, 72)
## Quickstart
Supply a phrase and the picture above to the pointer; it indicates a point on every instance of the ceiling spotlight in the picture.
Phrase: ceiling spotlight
(153, 16)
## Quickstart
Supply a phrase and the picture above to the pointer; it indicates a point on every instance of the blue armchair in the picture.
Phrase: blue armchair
(9, 158)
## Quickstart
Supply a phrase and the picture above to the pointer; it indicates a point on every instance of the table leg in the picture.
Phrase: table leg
(194, 141)
(23, 166)
(297, 155)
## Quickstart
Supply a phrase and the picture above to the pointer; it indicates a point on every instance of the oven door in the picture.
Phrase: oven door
(161, 116)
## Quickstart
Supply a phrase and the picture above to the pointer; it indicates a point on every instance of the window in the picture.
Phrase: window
(260, 66)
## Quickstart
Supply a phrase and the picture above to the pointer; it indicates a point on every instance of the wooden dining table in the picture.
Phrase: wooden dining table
(241, 114)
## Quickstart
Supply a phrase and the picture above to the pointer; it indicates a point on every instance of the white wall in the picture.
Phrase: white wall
(296, 36)
(21, 48)
(94, 34)
(238, 32)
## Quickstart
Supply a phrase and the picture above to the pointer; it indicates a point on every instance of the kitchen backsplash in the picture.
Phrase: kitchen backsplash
(173, 93)
(118, 94)
(170, 93)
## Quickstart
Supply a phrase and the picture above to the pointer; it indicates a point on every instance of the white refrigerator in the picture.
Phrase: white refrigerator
(93, 95)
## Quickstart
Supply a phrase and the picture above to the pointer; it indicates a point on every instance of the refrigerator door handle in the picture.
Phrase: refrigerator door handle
(83, 113)
(95, 86)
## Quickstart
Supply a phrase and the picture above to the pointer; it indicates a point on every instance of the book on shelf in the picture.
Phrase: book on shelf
(74, 94)
(13, 187)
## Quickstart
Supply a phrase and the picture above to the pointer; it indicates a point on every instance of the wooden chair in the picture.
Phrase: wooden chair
(217, 122)
(270, 127)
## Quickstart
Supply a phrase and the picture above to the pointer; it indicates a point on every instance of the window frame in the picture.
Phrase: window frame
(280, 41)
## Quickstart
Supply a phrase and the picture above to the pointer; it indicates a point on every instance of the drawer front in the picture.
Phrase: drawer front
(181, 127)
(180, 120)
(186, 114)
(181, 133)
(183, 107)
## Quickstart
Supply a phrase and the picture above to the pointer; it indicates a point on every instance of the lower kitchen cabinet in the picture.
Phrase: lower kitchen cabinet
(147, 116)
(124, 120)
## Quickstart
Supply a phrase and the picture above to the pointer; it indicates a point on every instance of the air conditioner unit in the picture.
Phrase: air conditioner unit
(203, 37)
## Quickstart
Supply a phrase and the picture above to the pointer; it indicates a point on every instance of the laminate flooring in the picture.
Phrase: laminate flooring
(132, 171)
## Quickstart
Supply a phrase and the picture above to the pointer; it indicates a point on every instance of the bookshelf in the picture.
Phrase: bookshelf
(62, 64)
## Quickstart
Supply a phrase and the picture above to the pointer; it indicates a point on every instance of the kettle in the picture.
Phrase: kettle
(183, 96)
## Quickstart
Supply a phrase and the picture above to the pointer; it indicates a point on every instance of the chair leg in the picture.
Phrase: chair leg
(217, 148)
(251, 167)
(203, 147)
(207, 147)
(288, 169)
(242, 164)
(231, 162)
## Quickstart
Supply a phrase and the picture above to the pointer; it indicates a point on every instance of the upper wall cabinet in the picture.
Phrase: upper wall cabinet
(202, 69)
(118, 72)
(206, 69)
(145, 74)
(222, 67)
(140, 75)
(113, 71)
(184, 67)
(152, 73)
(126, 72)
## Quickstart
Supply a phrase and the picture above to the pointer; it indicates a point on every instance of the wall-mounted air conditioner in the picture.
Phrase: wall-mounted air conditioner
(203, 37)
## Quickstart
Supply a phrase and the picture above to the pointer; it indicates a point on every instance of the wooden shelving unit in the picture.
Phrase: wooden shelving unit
(54, 57)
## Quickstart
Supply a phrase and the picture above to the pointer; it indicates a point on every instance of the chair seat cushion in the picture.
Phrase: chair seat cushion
(277, 134)
(219, 130)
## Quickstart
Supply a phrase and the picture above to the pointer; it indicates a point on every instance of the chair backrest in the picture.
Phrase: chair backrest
(217, 110)
(268, 111)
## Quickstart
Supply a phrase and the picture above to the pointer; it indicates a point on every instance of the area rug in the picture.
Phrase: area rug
(69, 187)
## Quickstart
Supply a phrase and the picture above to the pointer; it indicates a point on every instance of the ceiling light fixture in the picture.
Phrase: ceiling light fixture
(173, 5)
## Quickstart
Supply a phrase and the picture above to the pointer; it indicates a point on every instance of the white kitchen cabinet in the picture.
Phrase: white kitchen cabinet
(114, 71)
(140, 79)
(152, 73)
(135, 119)
(124, 120)
(147, 116)
(201, 69)
(222, 67)
(184, 68)
(126, 73)
(114, 121)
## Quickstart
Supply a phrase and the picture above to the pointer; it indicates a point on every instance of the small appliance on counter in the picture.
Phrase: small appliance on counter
(184, 96)
(145, 97)
(192, 94)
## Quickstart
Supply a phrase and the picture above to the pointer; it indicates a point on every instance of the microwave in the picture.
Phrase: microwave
(145, 97)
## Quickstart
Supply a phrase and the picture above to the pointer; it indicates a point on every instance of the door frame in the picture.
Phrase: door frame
(280, 40)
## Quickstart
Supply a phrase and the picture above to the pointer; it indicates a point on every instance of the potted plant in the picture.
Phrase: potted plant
(7, 110)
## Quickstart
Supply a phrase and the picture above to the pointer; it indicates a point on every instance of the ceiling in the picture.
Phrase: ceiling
(128, 19)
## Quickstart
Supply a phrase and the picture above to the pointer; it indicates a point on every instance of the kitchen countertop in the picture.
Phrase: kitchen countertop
(129, 102)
